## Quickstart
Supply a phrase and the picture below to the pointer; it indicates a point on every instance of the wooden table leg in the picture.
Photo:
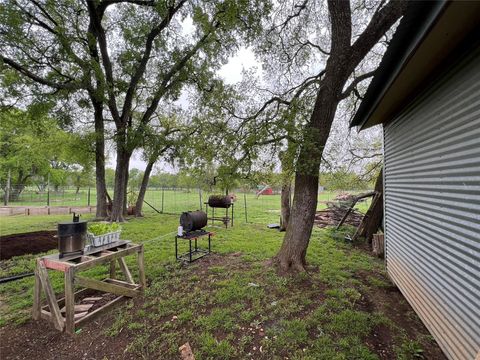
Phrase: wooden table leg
(125, 270)
(69, 302)
(113, 270)
(50, 295)
(37, 296)
(141, 269)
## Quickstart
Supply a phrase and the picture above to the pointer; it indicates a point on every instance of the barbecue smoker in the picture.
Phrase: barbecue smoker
(193, 221)
(220, 202)
(72, 236)
(191, 229)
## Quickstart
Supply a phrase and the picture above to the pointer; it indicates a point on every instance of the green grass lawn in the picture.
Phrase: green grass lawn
(232, 304)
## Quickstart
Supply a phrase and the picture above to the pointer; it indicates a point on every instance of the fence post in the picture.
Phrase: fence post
(7, 189)
(48, 190)
(163, 194)
(200, 198)
(245, 204)
(88, 197)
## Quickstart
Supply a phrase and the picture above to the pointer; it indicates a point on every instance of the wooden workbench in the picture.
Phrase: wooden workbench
(71, 266)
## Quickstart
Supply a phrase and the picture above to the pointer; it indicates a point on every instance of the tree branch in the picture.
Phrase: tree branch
(42, 9)
(355, 82)
(106, 3)
(289, 18)
(165, 85)
(99, 33)
(68, 85)
(146, 57)
(381, 22)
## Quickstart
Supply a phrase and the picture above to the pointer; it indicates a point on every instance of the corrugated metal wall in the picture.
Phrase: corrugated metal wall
(432, 199)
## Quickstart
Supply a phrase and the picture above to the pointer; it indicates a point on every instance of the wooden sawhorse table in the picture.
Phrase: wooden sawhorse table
(71, 266)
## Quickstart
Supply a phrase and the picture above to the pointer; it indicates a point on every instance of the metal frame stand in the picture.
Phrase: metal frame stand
(195, 253)
(225, 220)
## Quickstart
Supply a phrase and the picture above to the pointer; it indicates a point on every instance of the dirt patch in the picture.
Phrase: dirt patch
(389, 301)
(37, 339)
(27, 243)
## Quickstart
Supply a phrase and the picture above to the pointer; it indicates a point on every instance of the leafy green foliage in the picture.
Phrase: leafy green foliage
(101, 228)
(34, 147)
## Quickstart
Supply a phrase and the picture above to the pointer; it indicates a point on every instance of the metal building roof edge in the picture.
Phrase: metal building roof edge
(416, 23)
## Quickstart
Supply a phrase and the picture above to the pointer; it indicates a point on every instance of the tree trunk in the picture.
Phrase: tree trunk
(125, 195)
(295, 243)
(292, 254)
(285, 205)
(143, 189)
(15, 192)
(101, 211)
(121, 180)
(372, 220)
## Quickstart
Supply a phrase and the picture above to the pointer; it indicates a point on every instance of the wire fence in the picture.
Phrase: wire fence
(248, 207)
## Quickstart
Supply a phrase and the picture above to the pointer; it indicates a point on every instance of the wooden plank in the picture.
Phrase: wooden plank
(120, 243)
(106, 287)
(78, 308)
(50, 295)
(123, 283)
(99, 311)
(46, 315)
(92, 299)
(125, 270)
(103, 259)
(56, 265)
(61, 302)
(69, 302)
(141, 268)
(79, 316)
(37, 297)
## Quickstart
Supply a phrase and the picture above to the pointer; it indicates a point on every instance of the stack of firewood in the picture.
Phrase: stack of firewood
(332, 215)
(344, 196)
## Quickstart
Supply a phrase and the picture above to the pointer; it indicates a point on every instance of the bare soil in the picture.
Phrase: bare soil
(27, 243)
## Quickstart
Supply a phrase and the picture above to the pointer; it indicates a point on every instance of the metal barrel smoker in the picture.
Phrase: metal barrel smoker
(221, 202)
(193, 223)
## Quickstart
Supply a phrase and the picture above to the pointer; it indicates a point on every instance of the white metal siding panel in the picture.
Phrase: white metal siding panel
(432, 208)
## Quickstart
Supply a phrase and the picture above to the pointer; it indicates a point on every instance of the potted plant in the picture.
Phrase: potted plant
(103, 233)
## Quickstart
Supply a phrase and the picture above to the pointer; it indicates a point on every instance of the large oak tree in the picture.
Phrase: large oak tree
(348, 46)
(119, 57)
(315, 55)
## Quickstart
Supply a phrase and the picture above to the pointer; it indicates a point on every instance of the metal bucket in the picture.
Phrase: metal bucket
(72, 237)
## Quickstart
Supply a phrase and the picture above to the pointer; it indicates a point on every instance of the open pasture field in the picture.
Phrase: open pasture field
(264, 209)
